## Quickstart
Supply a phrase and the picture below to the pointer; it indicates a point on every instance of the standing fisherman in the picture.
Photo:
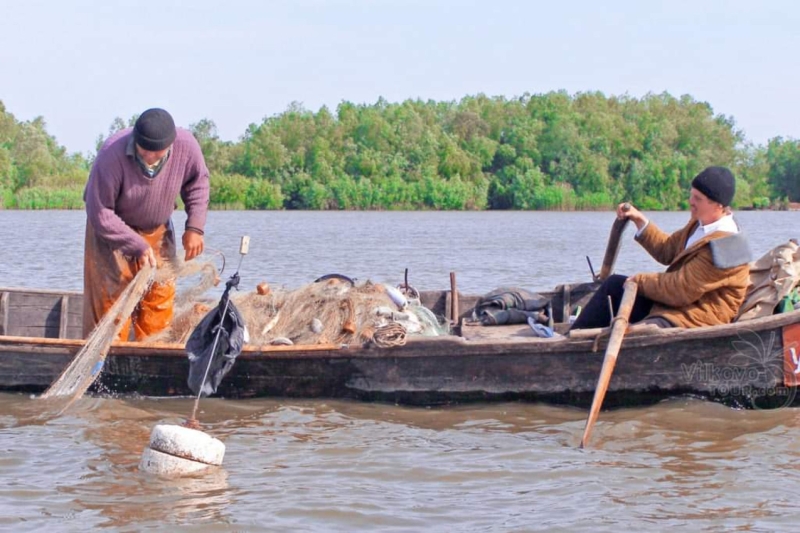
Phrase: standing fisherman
(130, 196)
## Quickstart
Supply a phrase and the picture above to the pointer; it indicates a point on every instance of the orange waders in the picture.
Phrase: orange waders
(106, 273)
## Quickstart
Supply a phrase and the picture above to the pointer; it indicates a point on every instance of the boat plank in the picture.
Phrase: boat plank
(4, 312)
(33, 370)
(33, 314)
(476, 331)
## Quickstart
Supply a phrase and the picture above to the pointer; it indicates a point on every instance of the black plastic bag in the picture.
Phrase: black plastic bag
(224, 335)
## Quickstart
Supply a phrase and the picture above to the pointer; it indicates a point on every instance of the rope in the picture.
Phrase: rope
(596, 344)
(390, 335)
(607, 331)
(619, 318)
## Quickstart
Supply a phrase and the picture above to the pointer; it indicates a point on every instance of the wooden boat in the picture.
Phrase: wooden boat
(751, 363)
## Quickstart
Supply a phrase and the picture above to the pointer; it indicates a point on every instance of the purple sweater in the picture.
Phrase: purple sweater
(119, 196)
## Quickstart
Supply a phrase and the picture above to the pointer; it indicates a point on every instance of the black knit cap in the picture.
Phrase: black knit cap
(717, 183)
(154, 130)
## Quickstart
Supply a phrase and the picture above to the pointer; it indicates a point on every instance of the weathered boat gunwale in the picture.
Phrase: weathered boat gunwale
(413, 344)
(53, 292)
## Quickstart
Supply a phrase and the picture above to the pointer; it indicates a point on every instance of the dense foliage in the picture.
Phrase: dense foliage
(35, 172)
(547, 151)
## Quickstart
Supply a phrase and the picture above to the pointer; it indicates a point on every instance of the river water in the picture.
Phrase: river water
(346, 466)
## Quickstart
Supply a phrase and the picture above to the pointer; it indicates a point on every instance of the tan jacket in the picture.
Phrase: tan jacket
(693, 291)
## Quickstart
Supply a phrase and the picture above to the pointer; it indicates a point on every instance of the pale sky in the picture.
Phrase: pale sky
(81, 63)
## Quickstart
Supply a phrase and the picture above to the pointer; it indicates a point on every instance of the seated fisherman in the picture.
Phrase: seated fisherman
(707, 274)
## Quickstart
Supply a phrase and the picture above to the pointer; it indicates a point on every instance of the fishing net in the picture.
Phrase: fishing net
(333, 309)
(194, 279)
(85, 366)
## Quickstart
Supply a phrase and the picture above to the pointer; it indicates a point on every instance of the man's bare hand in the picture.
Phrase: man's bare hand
(193, 244)
(148, 257)
(626, 210)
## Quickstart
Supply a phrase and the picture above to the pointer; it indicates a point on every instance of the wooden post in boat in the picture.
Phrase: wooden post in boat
(63, 317)
(454, 314)
(618, 327)
(4, 313)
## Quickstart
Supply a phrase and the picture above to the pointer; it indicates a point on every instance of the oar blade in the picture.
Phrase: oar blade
(618, 329)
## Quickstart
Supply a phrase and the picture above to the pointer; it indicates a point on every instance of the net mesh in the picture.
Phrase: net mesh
(76, 378)
(331, 310)
(334, 310)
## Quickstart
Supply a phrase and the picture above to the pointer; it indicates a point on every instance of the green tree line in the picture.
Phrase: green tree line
(552, 151)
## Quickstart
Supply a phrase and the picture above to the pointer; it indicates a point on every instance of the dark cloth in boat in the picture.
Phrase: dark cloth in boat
(511, 306)
(200, 347)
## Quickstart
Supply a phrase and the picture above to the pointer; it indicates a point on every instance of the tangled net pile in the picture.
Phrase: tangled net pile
(333, 310)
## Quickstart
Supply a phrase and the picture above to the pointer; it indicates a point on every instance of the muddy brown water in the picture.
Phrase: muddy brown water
(321, 465)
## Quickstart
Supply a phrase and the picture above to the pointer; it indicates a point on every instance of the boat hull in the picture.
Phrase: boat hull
(747, 364)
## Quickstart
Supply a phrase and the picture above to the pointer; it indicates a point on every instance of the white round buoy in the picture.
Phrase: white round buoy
(180, 450)
(188, 443)
(164, 464)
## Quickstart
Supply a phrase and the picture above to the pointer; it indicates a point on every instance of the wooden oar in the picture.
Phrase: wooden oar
(618, 328)
(612, 248)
